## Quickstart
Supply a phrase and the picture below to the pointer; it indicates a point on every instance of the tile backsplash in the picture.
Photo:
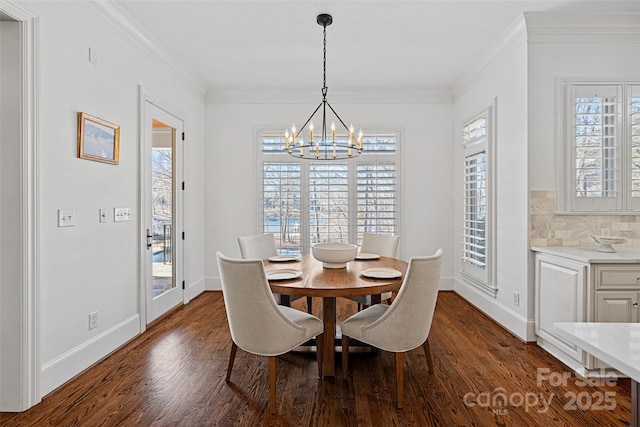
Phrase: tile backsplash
(549, 229)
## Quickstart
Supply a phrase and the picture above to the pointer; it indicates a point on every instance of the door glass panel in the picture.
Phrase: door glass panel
(162, 172)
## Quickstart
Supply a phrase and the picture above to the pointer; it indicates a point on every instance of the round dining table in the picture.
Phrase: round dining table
(329, 283)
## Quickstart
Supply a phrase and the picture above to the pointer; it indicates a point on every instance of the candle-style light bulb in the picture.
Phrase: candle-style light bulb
(286, 138)
(293, 134)
(311, 132)
(350, 136)
(317, 150)
(360, 139)
(333, 133)
(301, 147)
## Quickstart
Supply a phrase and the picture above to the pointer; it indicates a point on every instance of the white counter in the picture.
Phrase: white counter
(589, 255)
(617, 344)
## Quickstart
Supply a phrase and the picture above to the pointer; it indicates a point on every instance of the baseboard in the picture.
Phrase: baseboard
(195, 289)
(518, 325)
(212, 284)
(69, 364)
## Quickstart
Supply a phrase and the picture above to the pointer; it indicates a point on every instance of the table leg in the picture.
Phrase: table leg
(635, 403)
(329, 319)
(376, 299)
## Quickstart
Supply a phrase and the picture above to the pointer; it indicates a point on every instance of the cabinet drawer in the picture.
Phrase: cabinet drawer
(617, 277)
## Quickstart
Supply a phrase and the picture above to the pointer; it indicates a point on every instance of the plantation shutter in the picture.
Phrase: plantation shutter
(474, 242)
(597, 146)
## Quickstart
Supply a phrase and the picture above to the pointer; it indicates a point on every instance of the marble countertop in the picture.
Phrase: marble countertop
(622, 254)
(617, 344)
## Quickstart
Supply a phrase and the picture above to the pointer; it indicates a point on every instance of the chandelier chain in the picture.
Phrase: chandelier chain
(324, 60)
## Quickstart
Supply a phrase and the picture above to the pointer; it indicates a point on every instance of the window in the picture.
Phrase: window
(477, 209)
(306, 202)
(602, 147)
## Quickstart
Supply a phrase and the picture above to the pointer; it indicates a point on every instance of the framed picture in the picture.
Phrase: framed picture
(98, 139)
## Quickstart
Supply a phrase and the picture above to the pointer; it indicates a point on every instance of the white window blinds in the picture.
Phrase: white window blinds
(376, 198)
(329, 202)
(601, 147)
(477, 262)
(597, 133)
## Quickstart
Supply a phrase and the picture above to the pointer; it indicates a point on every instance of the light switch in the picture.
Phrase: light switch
(121, 214)
(66, 218)
(103, 215)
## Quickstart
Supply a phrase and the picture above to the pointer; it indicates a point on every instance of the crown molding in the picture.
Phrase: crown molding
(582, 28)
(342, 96)
(133, 33)
(514, 37)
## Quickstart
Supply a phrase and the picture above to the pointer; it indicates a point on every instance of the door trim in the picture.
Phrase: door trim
(146, 97)
(28, 318)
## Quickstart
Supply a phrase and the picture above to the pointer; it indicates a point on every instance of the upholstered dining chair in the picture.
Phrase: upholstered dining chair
(258, 325)
(263, 246)
(383, 245)
(403, 325)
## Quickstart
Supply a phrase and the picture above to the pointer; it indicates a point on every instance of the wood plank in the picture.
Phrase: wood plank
(174, 374)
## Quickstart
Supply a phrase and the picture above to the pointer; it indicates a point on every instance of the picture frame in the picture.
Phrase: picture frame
(98, 139)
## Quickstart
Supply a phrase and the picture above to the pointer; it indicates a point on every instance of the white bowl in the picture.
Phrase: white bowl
(605, 242)
(334, 255)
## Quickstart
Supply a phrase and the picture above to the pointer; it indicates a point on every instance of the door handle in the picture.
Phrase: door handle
(149, 237)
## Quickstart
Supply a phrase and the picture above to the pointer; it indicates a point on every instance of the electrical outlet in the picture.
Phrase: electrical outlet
(516, 299)
(66, 218)
(93, 320)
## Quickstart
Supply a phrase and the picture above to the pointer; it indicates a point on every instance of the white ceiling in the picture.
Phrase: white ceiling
(390, 43)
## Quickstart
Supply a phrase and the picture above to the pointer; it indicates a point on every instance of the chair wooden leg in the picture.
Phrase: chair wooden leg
(400, 377)
(345, 355)
(427, 353)
(232, 357)
(320, 354)
(272, 383)
(309, 305)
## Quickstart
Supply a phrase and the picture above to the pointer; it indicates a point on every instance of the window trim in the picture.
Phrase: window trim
(565, 169)
(486, 284)
(397, 131)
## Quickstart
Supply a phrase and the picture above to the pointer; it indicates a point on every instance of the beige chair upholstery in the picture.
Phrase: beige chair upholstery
(403, 325)
(258, 325)
(383, 245)
(263, 246)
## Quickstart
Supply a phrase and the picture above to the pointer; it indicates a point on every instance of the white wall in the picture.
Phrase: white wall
(426, 190)
(593, 47)
(10, 230)
(503, 79)
(94, 266)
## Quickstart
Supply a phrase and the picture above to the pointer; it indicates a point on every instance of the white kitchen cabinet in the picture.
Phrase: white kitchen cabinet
(616, 306)
(583, 285)
(561, 290)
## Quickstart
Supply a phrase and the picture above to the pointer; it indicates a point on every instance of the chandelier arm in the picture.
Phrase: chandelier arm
(310, 117)
(334, 112)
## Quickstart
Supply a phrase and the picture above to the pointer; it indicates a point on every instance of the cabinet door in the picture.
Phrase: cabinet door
(616, 306)
(560, 297)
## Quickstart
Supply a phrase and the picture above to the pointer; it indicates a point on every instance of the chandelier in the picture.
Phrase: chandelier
(323, 146)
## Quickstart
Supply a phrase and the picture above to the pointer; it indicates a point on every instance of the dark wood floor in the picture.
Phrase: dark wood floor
(173, 375)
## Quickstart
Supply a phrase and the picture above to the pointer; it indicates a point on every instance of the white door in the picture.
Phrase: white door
(162, 210)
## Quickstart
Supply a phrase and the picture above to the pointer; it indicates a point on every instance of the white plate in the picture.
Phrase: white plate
(284, 258)
(283, 274)
(381, 273)
(365, 255)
